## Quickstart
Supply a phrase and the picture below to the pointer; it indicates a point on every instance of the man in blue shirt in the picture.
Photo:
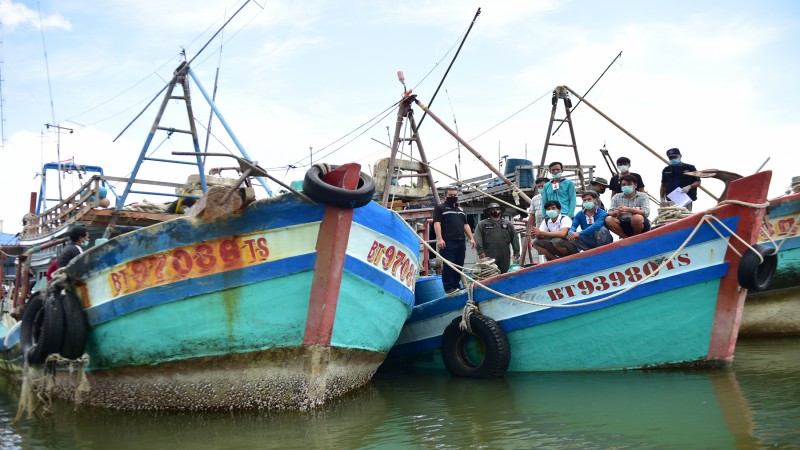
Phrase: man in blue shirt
(591, 221)
(559, 189)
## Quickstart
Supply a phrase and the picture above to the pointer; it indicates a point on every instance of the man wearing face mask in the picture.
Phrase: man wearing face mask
(624, 167)
(629, 209)
(591, 221)
(493, 235)
(551, 235)
(560, 189)
(450, 224)
(672, 177)
(79, 240)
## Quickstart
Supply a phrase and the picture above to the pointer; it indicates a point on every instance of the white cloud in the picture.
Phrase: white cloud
(14, 15)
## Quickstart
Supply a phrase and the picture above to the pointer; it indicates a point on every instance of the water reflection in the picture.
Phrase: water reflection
(755, 404)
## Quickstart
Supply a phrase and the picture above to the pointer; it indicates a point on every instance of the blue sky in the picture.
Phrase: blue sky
(718, 79)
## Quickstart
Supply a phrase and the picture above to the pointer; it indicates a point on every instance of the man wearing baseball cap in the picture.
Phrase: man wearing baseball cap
(672, 177)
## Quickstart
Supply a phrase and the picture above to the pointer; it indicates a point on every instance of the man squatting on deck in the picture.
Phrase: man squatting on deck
(629, 209)
(450, 224)
(493, 235)
(551, 236)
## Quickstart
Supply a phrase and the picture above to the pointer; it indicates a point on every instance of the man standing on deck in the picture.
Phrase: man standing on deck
(624, 167)
(450, 224)
(493, 235)
(672, 177)
(561, 190)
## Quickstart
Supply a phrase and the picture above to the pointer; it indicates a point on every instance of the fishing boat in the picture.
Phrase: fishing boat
(671, 297)
(275, 303)
(776, 310)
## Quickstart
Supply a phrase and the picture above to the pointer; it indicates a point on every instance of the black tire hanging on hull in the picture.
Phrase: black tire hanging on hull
(497, 350)
(76, 327)
(753, 274)
(322, 192)
(42, 328)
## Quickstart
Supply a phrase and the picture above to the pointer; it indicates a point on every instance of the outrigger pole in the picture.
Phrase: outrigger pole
(477, 13)
(657, 155)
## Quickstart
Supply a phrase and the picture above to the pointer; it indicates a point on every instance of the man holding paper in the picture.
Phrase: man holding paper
(672, 178)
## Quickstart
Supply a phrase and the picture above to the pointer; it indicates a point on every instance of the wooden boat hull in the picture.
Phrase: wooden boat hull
(281, 306)
(776, 311)
(686, 315)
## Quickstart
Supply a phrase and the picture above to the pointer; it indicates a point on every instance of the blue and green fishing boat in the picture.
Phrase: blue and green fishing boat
(278, 303)
(671, 297)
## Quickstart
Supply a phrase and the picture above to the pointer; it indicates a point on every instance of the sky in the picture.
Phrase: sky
(717, 79)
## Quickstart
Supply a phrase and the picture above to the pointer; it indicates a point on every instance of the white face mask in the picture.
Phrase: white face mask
(623, 169)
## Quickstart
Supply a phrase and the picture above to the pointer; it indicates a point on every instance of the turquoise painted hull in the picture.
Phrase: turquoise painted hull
(243, 320)
(594, 341)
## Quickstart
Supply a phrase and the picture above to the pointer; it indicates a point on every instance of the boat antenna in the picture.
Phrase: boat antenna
(477, 13)
(52, 107)
(187, 64)
(2, 99)
(213, 96)
(455, 125)
(589, 90)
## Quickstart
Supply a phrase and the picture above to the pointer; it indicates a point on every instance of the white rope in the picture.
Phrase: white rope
(484, 268)
(705, 219)
(668, 214)
(469, 309)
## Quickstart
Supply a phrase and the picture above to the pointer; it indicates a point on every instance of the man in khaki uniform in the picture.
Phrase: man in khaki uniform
(493, 236)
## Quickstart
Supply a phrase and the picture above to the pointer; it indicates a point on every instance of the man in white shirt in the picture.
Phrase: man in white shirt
(551, 236)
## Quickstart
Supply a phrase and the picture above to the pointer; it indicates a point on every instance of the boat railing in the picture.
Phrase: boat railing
(81, 203)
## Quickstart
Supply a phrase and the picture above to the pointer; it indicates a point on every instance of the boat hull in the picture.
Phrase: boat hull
(581, 315)
(776, 311)
(281, 306)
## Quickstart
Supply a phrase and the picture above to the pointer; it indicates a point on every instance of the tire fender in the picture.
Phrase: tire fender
(493, 339)
(322, 192)
(76, 327)
(42, 328)
(753, 274)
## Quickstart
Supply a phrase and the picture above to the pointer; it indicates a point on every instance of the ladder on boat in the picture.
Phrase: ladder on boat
(180, 78)
(561, 93)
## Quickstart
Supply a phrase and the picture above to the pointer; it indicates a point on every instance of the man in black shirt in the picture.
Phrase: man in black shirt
(78, 237)
(672, 177)
(624, 168)
(450, 224)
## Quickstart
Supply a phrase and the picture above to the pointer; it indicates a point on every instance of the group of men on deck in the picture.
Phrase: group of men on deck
(559, 231)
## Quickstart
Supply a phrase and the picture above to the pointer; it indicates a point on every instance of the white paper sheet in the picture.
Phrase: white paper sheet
(679, 197)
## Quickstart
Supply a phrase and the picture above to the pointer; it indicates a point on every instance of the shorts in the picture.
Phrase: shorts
(628, 229)
(551, 243)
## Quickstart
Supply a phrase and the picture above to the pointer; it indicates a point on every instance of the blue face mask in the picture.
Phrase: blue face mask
(675, 161)
(557, 175)
(588, 205)
(85, 244)
(551, 213)
(627, 189)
